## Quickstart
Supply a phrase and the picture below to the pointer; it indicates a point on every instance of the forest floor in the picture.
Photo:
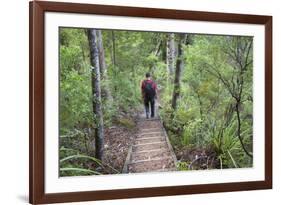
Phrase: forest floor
(118, 140)
(198, 158)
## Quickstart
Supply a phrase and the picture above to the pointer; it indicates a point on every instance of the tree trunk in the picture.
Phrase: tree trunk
(179, 67)
(96, 93)
(158, 48)
(101, 53)
(102, 64)
(170, 54)
(237, 106)
(113, 55)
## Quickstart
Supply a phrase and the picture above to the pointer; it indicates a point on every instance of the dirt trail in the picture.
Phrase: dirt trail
(151, 150)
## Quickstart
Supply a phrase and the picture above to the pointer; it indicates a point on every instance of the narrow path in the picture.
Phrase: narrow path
(151, 150)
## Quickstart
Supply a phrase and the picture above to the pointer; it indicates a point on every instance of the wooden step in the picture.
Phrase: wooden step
(151, 165)
(149, 140)
(165, 170)
(150, 160)
(157, 129)
(149, 133)
(147, 151)
(151, 150)
(149, 146)
(145, 138)
(150, 124)
(154, 134)
(150, 155)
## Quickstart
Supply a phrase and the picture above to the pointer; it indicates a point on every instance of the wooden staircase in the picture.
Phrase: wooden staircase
(151, 150)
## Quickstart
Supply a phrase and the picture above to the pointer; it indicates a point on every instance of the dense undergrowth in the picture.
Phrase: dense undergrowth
(211, 126)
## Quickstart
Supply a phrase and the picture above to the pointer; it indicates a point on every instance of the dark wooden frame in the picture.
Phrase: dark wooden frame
(37, 96)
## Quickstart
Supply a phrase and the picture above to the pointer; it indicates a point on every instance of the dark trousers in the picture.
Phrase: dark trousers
(148, 101)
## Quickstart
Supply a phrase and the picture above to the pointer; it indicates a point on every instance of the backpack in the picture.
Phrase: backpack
(148, 89)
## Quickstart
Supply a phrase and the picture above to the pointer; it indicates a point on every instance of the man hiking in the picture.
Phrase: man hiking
(149, 93)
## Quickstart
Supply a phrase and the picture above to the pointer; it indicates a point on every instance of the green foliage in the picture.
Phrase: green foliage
(125, 90)
(133, 54)
(182, 166)
(75, 81)
(74, 100)
(76, 161)
(79, 156)
(205, 117)
(77, 171)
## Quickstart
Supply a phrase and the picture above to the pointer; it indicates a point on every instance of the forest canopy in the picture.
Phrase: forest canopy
(204, 100)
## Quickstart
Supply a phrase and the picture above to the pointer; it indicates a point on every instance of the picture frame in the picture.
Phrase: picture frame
(38, 86)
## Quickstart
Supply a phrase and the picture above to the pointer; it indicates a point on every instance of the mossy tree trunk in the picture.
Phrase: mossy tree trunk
(96, 93)
(179, 68)
(103, 67)
(170, 58)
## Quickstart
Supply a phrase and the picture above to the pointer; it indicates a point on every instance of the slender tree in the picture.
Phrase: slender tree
(239, 51)
(179, 68)
(158, 46)
(96, 93)
(170, 54)
(113, 53)
(240, 55)
(102, 64)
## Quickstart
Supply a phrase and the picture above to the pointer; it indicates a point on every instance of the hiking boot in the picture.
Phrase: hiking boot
(147, 116)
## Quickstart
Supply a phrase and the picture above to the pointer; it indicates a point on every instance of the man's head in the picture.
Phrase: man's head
(147, 75)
